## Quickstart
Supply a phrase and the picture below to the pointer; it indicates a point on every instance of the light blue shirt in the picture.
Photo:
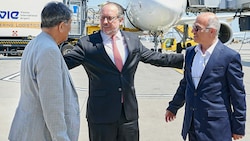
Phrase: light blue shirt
(200, 62)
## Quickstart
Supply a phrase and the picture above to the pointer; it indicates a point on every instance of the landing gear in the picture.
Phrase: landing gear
(178, 48)
(156, 41)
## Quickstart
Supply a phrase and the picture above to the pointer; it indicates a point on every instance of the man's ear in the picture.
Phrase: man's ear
(212, 31)
(121, 21)
(61, 27)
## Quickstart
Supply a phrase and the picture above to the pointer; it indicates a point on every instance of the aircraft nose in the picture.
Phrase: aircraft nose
(155, 15)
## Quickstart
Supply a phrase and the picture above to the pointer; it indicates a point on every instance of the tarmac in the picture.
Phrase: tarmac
(155, 87)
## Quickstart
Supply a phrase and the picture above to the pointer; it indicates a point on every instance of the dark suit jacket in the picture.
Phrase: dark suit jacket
(218, 104)
(106, 83)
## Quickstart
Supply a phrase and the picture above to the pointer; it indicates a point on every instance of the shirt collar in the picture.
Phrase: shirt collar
(209, 50)
(106, 37)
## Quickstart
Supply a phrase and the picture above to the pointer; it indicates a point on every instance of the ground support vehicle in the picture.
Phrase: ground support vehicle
(171, 44)
(20, 23)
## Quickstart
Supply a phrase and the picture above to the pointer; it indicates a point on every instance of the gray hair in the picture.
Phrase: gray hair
(54, 13)
(213, 22)
(121, 10)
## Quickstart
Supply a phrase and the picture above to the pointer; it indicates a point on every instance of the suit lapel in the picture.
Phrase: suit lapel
(97, 41)
(189, 62)
(130, 47)
(211, 62)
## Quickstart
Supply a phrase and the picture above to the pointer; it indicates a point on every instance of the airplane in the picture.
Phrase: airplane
(158, 16)
(155, 16)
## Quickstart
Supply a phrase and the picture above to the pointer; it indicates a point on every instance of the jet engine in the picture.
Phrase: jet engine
(225, 33)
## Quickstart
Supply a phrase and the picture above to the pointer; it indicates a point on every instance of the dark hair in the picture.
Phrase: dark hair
(121, 10)
(54, 13)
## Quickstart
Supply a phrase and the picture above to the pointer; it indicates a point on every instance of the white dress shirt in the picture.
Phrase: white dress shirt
(121, 45)
(200, 61)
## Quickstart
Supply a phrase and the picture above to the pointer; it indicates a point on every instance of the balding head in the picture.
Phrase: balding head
(210, 20)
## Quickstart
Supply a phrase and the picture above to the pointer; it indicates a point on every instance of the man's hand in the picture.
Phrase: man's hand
(169, 116)
(236, 137)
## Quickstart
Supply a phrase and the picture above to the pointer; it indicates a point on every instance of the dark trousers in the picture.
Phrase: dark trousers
(122, 130)
(191, 132)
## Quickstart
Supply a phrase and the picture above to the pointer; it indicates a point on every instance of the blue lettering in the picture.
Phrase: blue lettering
(14, 15)
(3, 14)
(9, 14)
(75, 9)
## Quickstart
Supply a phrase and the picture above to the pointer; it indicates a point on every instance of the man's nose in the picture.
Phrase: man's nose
(105, 20)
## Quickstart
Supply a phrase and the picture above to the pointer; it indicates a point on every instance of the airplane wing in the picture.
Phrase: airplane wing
(190, 19)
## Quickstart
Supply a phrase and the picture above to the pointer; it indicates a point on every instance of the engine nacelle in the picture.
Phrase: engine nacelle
(226, 33)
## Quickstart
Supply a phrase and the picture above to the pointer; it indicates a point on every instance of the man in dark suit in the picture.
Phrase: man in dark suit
(112, 109)
(212, 88)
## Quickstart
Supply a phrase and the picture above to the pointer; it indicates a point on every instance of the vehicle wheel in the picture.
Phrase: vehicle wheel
(178, 48)
(160, 50)
(189, 44)
(13, 52)
(19, 54)
(66, 48)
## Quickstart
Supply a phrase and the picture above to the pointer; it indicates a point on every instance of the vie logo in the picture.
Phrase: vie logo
(9, 14)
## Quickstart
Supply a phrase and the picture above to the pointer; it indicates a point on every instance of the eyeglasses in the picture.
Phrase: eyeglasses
(197, 28)
(109, 18)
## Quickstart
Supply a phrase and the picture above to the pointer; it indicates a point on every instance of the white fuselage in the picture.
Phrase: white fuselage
(154, 15)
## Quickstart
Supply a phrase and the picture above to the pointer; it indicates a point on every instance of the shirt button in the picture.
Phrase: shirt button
(119, 89)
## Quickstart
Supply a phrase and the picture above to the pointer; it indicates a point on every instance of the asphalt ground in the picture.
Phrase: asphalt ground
(155, 87)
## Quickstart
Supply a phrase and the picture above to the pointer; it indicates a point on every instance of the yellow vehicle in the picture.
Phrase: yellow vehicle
(187, 40)
(172, 45)
(90, 29)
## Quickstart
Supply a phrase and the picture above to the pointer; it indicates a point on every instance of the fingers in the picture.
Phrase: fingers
(169, 119)
(236, 137)
(169, 116)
